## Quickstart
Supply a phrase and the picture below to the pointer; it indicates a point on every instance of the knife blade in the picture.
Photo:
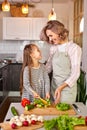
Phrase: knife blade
(76, 107)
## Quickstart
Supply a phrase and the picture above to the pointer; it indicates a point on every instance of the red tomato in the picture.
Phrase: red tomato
(25, 123)
(86, 120)
(24, 102)
(33, 122)
(14, 126)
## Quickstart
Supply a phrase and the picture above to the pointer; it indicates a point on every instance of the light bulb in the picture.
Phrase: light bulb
(52, 15)
(5, 6)
(25, 9)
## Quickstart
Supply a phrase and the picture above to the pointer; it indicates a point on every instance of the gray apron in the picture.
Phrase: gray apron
(61, 71)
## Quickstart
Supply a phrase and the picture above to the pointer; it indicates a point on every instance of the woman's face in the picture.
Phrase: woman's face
(53, 37)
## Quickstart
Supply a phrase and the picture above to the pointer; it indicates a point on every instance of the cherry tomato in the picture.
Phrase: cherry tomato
(33, 122)
(24, 102)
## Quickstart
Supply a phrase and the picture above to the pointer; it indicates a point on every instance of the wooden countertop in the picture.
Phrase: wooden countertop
(20, 110)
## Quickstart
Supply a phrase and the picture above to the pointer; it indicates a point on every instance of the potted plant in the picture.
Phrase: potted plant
(81, 88)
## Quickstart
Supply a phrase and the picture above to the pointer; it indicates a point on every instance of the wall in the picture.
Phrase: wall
(64, 13)
(84, 49)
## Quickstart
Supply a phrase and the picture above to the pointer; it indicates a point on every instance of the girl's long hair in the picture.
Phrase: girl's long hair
(27, 61)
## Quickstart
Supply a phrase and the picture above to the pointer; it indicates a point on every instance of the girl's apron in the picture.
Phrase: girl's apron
(61, 71)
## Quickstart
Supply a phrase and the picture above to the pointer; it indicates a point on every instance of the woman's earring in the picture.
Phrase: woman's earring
(50, 38)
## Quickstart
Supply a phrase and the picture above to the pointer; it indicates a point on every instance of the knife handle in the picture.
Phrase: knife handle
(76, 107)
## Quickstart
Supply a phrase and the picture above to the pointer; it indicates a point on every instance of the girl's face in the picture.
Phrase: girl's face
(36, 54)
(53, 37)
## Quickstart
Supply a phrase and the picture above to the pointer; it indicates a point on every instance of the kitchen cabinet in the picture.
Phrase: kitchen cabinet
(38, 24)
(4, 82)
(16, 28)
(5, 76)
(14, 76)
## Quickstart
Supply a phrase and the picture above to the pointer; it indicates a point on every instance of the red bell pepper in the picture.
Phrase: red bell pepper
(25, 102)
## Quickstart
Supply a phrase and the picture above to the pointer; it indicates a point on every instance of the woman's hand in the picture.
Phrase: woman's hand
(57, 95)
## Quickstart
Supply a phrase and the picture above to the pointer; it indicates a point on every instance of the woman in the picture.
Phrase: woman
(64, 60)
(34, 77)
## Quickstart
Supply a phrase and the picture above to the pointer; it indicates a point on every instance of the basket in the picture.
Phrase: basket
(17, 12)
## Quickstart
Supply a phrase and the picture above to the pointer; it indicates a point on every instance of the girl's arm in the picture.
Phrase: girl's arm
(26, 82)
(47, 82)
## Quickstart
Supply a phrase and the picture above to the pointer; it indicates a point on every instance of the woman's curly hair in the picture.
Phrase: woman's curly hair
(56, 27)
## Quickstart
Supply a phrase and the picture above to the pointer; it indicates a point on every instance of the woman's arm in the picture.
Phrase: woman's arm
(75, 53)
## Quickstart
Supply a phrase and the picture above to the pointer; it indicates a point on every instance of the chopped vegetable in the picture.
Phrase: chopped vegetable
(39, 103)
(48, 102)
(63, 106)
(24, 102)
(63, 122)
(50, 124)
(14, 111)
(29, 107)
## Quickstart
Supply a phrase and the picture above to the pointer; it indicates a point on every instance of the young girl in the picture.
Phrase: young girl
(34, 80)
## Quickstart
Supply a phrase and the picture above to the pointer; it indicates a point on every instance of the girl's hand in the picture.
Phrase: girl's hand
(47, 95)
(35, 95)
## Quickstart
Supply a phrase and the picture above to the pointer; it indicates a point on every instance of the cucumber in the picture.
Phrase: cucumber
(29, 107)
(14, 111)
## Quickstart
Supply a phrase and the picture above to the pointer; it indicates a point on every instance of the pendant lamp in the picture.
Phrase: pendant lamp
(6, 6)
(25, 8)
(52, 15)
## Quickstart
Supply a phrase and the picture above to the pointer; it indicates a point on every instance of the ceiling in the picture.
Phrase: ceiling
(32, 3)
(38, 1)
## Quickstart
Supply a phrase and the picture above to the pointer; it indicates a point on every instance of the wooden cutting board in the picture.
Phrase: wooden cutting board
(6, 126)
(49, 111)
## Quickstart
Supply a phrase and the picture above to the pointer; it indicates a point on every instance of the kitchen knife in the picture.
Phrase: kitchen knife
(76, 107)
(44, 101)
